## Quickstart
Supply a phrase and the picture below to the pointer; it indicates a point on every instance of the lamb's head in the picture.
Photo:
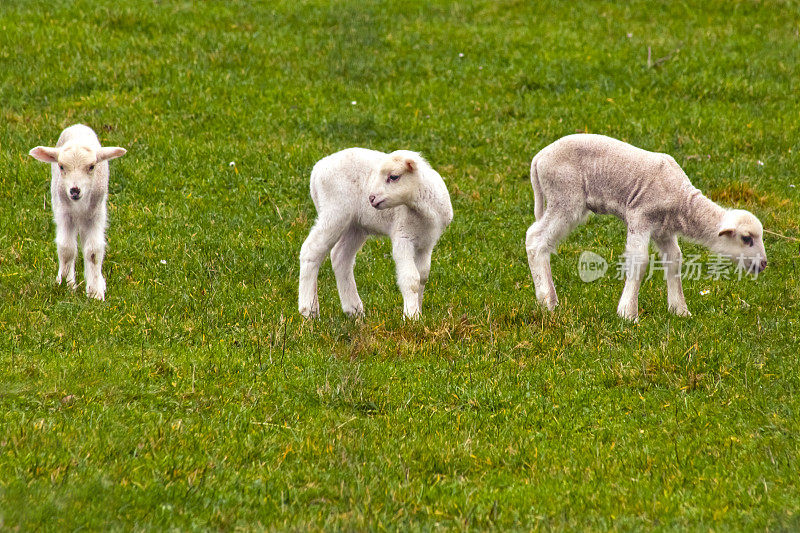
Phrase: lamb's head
(77, 165)
(740, 239)
(396, 181)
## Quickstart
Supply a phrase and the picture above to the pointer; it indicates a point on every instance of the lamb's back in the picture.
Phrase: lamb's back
(612, 176)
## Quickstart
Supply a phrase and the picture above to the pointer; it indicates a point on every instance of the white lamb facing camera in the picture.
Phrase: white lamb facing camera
(358, 193)
(79, 189)
(584, 173)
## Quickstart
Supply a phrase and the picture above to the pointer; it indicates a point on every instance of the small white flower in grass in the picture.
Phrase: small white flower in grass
(629, 35)
(704, 292)
(460, 55)
(163, 261)
(480, 68)
(760, 163)
(353, 102)
(232, 164)
(792, 185)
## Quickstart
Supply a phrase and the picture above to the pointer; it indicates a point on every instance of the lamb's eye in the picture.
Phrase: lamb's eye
(91, 167)
(61, 167)
(393, 177)
(747, 240)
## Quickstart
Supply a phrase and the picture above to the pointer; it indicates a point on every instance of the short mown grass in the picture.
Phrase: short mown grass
(195, 397)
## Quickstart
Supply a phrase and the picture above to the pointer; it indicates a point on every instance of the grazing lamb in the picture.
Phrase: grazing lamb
(79, 188)
(358, 193)
(651, 193)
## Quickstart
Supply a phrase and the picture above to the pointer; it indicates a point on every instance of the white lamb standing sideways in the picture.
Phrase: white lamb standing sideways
(584, 173)
(79, 189)
(358, 193)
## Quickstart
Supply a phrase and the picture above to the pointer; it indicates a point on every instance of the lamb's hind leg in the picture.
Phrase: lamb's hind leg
(320, 240)
(671, 256)
(542, 240)
(635, 268)
(343, 259)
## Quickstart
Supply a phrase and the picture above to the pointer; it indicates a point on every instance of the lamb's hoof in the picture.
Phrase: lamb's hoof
(70, 282)
(548, 303)
(96, 294)
(628, 312)
(680, 311)
(354, 311)
(309, 312)
(412, 314)
(97, 290)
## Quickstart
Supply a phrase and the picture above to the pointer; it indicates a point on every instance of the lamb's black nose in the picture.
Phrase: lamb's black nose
(75, 193)
(371, 198)
(763, 264)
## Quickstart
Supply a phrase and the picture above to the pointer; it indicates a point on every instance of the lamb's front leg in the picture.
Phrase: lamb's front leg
(422, 260)
(408, 278)
(67, 246)
(671, 255)
(635, 269)
(94, 250)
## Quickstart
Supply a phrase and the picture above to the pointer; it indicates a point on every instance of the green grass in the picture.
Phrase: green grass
(195, 397)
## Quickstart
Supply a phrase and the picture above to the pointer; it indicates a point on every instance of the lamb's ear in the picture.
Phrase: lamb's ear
(727, 230)
(411, 165)
(110, 152)
(45, 153)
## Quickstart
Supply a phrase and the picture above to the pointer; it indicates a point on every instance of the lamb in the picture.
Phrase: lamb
(78, 190)
(358, 193)
(584, 173)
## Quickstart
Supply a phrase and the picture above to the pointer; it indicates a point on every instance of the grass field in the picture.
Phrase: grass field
(195, 397)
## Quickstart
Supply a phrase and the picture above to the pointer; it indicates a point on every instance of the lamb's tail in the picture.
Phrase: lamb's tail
(538, 197)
